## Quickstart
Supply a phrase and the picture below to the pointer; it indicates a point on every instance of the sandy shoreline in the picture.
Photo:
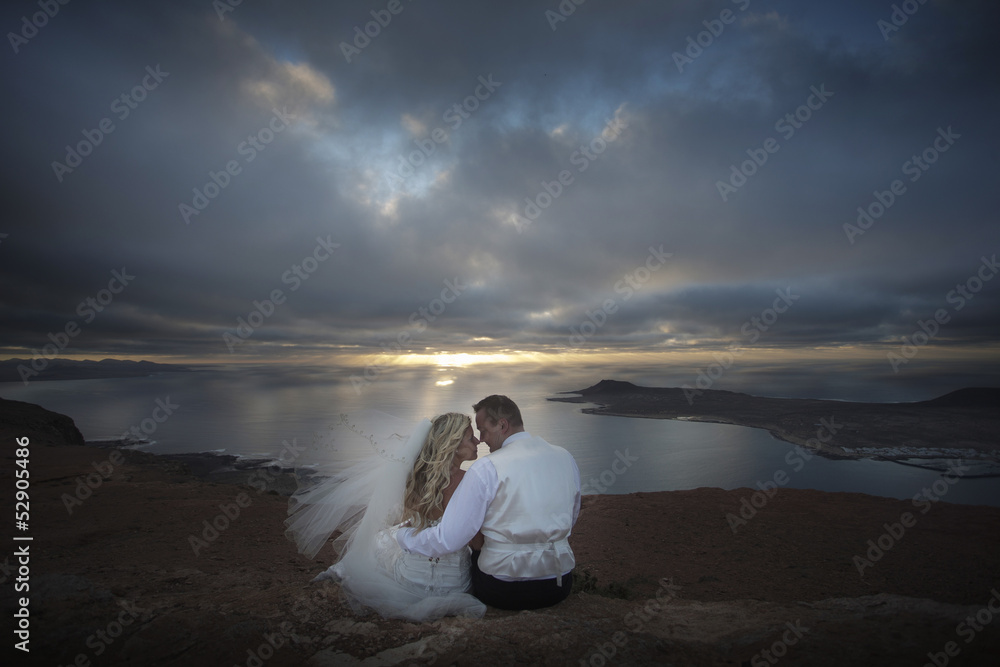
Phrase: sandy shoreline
(139, 547)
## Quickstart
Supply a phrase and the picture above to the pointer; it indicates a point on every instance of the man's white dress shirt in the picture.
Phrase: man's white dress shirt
(467, 509)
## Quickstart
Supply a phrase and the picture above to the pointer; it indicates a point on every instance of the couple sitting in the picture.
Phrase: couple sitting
(419, 534)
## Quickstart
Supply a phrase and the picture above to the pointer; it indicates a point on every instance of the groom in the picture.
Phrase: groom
(525, 496)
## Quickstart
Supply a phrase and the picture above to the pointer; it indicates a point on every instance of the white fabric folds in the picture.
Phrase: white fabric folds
(528, 524)
(363, 498)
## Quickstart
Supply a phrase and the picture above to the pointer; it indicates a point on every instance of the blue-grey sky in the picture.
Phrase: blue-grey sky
(497, 177)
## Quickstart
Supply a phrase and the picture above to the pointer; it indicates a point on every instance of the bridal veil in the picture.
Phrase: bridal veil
(371, 455)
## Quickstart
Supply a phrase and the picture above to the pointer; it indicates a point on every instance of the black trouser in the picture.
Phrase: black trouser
(518, 594)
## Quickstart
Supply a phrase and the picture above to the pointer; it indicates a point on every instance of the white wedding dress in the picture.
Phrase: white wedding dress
(363, 498)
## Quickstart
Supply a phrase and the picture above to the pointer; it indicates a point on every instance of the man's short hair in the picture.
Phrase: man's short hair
(499, 407)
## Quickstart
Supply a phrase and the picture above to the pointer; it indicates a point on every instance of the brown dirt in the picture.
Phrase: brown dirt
(730, 595)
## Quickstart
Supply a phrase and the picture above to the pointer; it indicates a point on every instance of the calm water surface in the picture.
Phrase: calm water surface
(252, 411)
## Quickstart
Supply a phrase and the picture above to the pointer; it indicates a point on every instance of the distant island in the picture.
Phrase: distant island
(15, 370)
(963, 424)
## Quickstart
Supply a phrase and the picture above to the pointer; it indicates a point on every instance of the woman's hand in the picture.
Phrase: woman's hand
(476, 543)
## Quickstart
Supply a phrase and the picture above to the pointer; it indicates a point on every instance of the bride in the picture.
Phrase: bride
(400, 481)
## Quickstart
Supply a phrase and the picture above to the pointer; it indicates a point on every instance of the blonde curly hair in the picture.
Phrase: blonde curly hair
(423, 500)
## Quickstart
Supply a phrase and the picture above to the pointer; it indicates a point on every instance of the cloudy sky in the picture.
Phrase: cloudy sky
(196, 180)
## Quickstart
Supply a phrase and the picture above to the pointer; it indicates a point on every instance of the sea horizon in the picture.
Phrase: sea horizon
(254, 411)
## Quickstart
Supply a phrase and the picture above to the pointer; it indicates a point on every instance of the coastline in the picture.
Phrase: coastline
(214, 467)
(204, 575)
(961, 426)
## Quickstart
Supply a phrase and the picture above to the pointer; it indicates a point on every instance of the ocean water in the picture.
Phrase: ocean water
(254, 411)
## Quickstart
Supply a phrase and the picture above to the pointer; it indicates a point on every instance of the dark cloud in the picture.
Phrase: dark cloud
(378, 158)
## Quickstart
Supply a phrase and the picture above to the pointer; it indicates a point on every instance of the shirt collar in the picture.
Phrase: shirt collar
(515, 436)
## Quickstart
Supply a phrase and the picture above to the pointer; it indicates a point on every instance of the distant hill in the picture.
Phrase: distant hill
(961, 424)
(612, 387)
(620, 388)
(970, 397)
(68, 369)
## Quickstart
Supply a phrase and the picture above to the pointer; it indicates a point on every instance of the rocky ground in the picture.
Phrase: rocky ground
(130, 574)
